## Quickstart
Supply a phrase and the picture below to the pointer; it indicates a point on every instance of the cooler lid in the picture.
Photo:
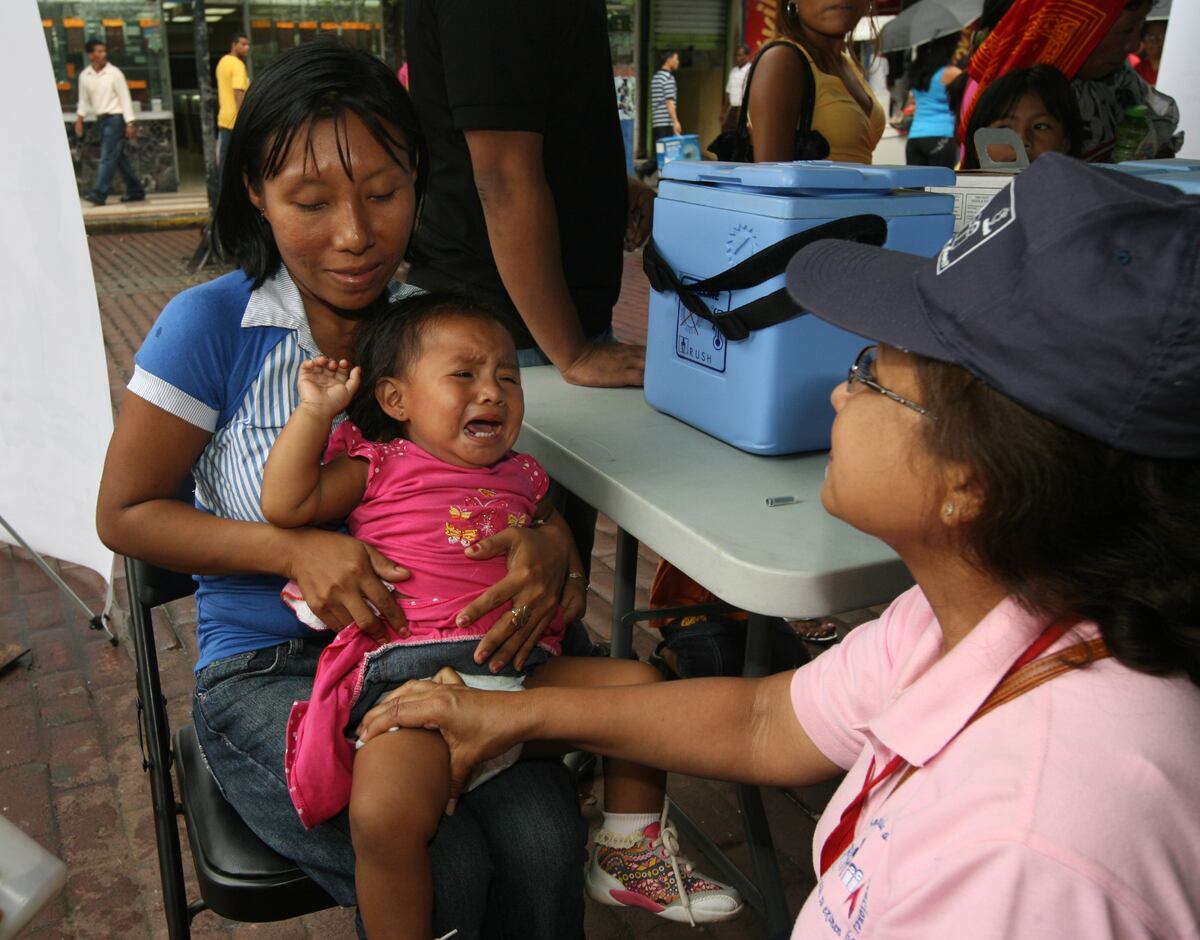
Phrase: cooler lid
(1155, 167)
(1185, 182)
(808, 176)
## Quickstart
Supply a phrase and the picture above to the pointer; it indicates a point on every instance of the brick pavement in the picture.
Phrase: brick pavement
(70, 768)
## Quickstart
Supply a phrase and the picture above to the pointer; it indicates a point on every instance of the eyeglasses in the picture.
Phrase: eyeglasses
(863, 372)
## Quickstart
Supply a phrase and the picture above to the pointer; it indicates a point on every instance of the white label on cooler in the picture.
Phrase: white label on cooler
(697, 340)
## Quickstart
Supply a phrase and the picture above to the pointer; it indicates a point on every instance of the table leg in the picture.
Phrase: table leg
(768, 897)
(624, 587)
(758, 830)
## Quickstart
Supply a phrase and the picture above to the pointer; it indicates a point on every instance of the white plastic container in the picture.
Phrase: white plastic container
(29, 877)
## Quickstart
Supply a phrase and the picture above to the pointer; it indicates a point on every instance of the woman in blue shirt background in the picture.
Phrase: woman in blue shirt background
(931, 140)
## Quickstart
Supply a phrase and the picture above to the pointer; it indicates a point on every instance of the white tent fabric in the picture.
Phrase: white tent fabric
(55, 411)
(1179, 74)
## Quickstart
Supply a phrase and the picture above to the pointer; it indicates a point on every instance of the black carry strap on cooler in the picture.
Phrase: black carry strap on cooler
(771, 262)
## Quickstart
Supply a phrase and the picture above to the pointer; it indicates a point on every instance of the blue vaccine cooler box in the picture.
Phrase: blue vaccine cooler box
(680, 147)
(1184, 175)
(767, 393)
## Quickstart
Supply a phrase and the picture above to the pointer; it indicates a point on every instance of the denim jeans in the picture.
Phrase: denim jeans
(717, 647)
(395, 666)
(533, 356)
(113, 159)
(223, 135)
(507, 864)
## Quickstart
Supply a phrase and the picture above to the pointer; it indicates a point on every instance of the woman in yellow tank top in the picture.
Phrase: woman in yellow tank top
(850, 118)
(845, 110)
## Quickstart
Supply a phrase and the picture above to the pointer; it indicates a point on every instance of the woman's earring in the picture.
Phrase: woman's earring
(948, 510)
(790, 8)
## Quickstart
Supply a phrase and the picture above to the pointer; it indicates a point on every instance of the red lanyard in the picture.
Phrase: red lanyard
(843, 834)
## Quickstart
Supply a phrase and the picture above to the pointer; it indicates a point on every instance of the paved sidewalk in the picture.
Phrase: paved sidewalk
(70, 768)
(187, 208)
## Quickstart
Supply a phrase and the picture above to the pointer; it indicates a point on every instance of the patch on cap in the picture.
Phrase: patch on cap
(993, 219)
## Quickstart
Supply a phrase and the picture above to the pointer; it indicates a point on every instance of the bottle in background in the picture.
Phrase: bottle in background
(1135, 141)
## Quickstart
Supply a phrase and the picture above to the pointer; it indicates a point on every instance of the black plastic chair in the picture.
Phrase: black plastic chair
(240, 878)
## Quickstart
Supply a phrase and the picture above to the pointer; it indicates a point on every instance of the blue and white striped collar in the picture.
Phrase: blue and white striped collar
(278, 303)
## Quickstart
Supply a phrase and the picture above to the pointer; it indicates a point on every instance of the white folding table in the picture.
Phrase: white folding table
(702, 505)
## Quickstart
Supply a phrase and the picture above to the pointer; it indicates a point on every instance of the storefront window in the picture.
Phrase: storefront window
(622, 19)
(133, 33)
(276, 25)
(622, 41)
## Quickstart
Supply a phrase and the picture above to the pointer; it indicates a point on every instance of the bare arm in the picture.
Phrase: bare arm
(775, 102)
(675, 125)
(83, 107)
(537, 568)
(751, 731)
(523, 231)
(238, 95)
(138, 514)
(574, 592)
(297, 490)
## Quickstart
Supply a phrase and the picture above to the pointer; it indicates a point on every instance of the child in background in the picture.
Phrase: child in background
(421, 471)
(1038, 104)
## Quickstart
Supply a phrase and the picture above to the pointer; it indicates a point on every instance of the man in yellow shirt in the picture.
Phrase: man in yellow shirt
(232, 82)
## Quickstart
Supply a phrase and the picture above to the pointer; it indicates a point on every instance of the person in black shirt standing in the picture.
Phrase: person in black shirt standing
(527, 201)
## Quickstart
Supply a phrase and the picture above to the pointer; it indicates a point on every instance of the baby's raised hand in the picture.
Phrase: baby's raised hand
(327, 385)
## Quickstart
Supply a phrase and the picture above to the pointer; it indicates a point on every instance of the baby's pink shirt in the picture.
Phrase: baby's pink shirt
(1072, 811)
(422, 512)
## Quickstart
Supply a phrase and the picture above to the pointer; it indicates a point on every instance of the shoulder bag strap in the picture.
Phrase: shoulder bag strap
(804, 124)
(1030, 676)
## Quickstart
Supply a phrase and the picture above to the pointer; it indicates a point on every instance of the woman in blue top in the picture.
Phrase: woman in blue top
(931, 140)
(322, 181)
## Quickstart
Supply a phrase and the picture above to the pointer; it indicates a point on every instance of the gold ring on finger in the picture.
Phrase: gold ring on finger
(520, 615)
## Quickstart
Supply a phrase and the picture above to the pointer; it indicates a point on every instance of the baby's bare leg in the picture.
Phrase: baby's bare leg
(400, 788)
(628, 787)
(447, 675)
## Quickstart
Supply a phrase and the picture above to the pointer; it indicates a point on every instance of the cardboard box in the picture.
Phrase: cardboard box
(972, 191)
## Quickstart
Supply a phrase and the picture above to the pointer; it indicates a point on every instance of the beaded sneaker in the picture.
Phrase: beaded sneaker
(644, 869)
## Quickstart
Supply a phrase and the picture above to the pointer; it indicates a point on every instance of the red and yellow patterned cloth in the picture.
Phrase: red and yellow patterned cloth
(1061, 33)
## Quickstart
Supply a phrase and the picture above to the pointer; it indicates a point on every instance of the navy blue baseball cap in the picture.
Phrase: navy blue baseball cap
(1075, 292)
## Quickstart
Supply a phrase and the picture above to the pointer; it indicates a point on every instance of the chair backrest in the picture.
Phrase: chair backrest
(143, 581)
(153, 586)
(239, 877)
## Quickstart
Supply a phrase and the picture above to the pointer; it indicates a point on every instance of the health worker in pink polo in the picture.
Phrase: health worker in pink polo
(1020, 732)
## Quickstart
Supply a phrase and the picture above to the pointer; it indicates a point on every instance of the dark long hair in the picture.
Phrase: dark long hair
(1001, 96)
(1071, 526)
(931, 57)
(317, 81)
(390, 342)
